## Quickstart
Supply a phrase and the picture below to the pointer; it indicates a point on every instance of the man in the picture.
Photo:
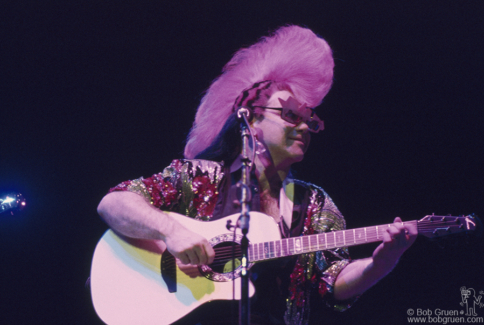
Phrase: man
(279, 79)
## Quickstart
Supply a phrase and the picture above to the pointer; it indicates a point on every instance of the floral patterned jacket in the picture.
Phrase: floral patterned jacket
(191, 188)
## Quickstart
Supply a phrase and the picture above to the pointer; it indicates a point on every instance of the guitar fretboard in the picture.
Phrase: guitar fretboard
(312, 243)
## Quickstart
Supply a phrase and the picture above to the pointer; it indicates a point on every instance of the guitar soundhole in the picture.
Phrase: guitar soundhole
(224, 257)
(221, 268)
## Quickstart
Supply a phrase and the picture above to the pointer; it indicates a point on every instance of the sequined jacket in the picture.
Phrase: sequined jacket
(192, 188)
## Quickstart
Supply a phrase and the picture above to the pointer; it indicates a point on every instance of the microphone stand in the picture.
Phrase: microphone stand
(243, 223)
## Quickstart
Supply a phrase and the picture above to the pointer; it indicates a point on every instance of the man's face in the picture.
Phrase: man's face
(286, 142)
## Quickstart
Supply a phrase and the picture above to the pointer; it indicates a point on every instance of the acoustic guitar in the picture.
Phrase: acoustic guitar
(137, 281)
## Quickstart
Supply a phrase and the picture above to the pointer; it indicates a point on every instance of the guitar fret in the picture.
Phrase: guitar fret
(297, 245)
(278, 248)
(284, 248)
(261, 251)
(257, 249)
(366, 238)
(256, 252)
(338, 238)
(305, 244)
(291, 246)
(361, 237)
(350, 237)
(266, 250)
(372, 233)
(330, 241)
(321, 241)
(314, 242)
(249, 251)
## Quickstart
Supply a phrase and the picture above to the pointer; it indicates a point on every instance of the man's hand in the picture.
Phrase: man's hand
(361, 274)
(189, 247)
(133, 216)
(396, 240)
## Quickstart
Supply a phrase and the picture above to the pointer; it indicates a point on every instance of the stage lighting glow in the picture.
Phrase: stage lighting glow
(8, 199)
(12, 202)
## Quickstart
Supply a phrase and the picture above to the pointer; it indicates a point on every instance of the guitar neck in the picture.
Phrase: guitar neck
(312, 243)
(429, 226)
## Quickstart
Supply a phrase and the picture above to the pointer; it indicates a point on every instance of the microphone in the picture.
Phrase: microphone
(246, 112)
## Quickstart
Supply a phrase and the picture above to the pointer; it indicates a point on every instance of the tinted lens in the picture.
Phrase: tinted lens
(290, 116)
(315, 125)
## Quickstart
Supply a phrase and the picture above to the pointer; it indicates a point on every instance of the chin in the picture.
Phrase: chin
(298, 157)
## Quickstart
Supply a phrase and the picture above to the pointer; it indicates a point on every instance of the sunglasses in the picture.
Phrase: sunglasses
(294, 112)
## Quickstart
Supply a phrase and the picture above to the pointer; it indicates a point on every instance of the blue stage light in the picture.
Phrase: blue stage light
(12, 202)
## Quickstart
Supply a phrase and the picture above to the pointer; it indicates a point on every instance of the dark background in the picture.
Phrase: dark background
(96, 92)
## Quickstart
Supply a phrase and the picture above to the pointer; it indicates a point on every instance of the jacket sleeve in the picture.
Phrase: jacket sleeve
(160, 189)
(188, 187)
(326, 217)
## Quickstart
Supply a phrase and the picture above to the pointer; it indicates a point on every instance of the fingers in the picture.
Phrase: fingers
(189, 247)
(393, 233)
(183, 258)
(397, 238)
(198, 254)
(210, 253)
(400, 234)
(194, 255)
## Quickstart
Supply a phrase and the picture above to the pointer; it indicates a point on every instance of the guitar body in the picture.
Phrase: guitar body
(127, 284)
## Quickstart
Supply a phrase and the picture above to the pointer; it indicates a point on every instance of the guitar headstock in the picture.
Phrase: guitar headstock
(433, 226)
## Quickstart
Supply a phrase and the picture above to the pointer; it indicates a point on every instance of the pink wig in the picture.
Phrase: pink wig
(293, 56)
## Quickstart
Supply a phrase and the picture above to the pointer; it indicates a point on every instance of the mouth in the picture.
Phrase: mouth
(299, 140)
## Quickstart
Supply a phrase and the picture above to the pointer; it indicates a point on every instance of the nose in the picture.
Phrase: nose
(302, 127)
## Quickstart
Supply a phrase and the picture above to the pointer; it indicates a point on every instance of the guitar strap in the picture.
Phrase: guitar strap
(286, 205)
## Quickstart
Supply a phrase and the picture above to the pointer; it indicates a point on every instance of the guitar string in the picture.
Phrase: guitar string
(348, 232)
(221, 253)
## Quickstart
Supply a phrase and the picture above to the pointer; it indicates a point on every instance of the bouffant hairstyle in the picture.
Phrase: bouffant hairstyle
(292, 56)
